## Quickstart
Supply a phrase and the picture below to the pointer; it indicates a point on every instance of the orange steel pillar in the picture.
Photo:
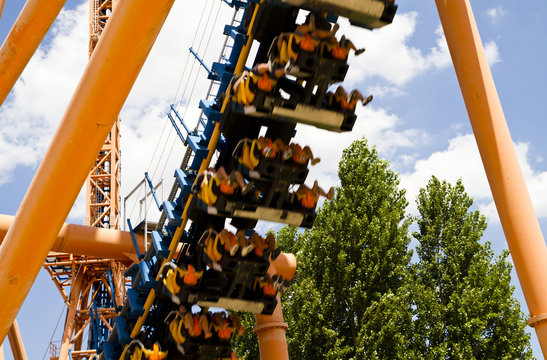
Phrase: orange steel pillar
(1, 9)
(23, 39)
(89, 241)
(512, 200)
(74, 302)
(270, 329)
(16, 343)
(124, 46)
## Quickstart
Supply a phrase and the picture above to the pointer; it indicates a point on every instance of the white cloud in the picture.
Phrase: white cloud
(492, 53)
(33, 110)
(495, 14)
(462, 160)
(389, 54)
(382, 129)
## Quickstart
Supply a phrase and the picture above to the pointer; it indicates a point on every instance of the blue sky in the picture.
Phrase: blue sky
(417, 119)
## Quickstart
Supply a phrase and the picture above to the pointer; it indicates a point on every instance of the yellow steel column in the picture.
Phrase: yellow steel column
(16, 343)
(512, 200)
(23, 39)
(105, 84)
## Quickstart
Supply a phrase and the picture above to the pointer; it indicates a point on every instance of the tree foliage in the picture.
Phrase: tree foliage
(355, 253)
(464, 305)
(359, 293)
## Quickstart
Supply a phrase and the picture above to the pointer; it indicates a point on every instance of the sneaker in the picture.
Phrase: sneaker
(247, 249)
(233, 249)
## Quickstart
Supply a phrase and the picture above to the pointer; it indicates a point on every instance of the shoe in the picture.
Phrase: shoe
(234, 249)
(247, 249)
(248, 187)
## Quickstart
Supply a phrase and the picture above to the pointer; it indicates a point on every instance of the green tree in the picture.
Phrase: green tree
(356, 253)
(463, 300)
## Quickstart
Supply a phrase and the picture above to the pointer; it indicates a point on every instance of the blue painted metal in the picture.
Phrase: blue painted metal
(152, 190)
(176, 128)
(159, 247)
(224, 72)
(94, 333)
(144, 272)
(194, 141)
(209, 110)
(139, 255)
(147, 281)
(235, 3)
(184, 183)
(121, 327)
(180, 119)
(173, 216)
(210, 73)
(136, 302)
(112, 288)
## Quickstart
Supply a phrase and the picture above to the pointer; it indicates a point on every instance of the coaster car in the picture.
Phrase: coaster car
(370, 14)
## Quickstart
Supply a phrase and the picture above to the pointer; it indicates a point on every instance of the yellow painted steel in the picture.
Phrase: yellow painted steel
(16, 343)
(87, 240)
(513, 203)
(23, 39)
(116, 61)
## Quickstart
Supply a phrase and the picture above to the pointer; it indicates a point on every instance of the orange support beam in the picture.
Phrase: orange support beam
(270, 329)
(74, 302)
(515, 209)
(1, 9)
(16, 343)
(87, 240)
(97, 101)
(24, 38)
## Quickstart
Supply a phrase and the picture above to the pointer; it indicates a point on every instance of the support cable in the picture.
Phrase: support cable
(54, 331)
(193, 63)
(188, 56)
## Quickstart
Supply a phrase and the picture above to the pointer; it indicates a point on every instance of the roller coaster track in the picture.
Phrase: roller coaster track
(185, 265)
(167, 281)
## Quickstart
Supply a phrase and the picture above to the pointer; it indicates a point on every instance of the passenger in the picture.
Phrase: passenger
(222, 326)
(212, 182)
(307, 198)
(246, 84)
(265, 286)
(302, 155)
(341, 100)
